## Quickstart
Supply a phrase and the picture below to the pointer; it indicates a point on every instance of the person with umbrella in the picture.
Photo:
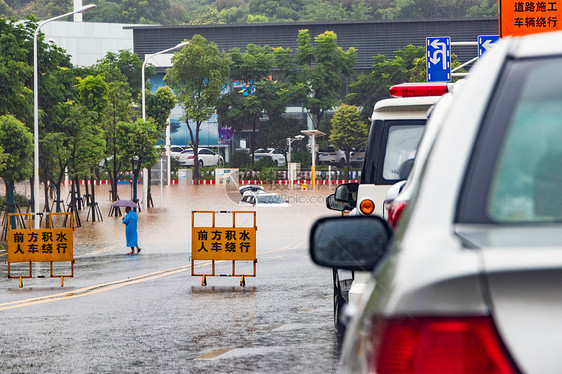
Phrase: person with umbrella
(130, 222)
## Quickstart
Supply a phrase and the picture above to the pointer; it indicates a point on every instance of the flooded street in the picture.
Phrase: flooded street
(147, 313)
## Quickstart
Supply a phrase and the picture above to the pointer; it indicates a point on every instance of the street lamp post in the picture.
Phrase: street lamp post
(143, 94)
(179, 46)
(313, 134)
(289, 142)
(83, 9)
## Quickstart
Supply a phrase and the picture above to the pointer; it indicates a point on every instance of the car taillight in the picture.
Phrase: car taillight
(395, 210)
(437, 345)
(419, 89)
(190, 157)
(367, 207)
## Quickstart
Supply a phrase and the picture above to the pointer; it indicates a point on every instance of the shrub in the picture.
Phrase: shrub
(263, 163)
(240, 159)
(268, 175)
(303, 157)
(21, 201)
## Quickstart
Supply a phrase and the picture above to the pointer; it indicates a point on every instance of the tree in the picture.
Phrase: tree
(277, 10)
(119, 110)
(252, 68)
(198, 76)
(372, 87)
(349, 130)
(160, 105)
(15, 96)
(317, 71)
(17, 143)
(125, 66)
(136, 144)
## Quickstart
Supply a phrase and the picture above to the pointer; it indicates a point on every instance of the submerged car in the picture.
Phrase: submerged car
(262, 199)
(470, 281)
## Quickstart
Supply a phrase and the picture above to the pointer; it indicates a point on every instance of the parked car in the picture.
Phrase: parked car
(336, 157)
(275, 154)
(470, 281)
(175, 150)
(206, 157)
(262, 199)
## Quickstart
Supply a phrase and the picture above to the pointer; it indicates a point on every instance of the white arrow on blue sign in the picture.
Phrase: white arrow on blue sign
(485, 42)
(438, 59)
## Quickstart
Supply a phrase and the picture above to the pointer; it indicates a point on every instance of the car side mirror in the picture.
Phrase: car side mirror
(333, 204)
(349, 243)
(347, 193)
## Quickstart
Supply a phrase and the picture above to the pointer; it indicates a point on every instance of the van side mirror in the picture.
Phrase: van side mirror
(347, 193)
(333, 204)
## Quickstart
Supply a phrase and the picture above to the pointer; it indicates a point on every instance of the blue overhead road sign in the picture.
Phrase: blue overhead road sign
(438, 59)
(485, 42)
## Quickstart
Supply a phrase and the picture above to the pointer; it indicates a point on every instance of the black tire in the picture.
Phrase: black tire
(341, 164)
(339, 302)
(221, 162)
(201, 163)
(276, 163)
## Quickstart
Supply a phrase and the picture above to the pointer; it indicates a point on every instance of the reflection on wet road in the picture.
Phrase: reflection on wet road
(147, 313)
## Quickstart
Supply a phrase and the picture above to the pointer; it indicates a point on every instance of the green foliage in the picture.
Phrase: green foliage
(160, 105)
(317, 71)
(264, 162)
(274, 133)
(348, 130)
(20, 200)
(198, 76)
(136, 141)
(171, 12)
(240, 159)
(17, 143)
(268, 174)
(372, 87)
(125, 66)
(303, 157)
(277, 11)
(15, 71)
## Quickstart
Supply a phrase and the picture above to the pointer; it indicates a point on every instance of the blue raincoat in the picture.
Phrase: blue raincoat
(131, 234)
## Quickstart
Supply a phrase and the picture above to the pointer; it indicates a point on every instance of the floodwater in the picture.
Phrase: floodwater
(144, 317)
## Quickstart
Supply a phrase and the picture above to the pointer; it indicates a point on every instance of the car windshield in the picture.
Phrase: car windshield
(270, 199)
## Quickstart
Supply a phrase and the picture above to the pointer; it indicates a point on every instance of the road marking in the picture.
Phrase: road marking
(91, 290)
(213, 354)
(96, 288)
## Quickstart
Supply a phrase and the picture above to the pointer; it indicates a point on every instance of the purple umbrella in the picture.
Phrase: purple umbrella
(124, 203)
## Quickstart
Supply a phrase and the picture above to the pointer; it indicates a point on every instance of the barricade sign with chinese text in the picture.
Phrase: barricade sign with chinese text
(40, 245)
(221, 243)
(518, 18)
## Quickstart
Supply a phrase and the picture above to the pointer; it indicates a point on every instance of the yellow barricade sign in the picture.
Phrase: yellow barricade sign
(223, 243)
(40, 245)
(43, 245)
(235, 243)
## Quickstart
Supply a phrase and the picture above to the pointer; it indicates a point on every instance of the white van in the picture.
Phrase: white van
(397, 125)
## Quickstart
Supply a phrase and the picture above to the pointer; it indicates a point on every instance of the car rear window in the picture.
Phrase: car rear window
(401, 146)
(515, 175)
(392, 145)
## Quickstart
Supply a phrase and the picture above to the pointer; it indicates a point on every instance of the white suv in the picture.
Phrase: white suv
(397, 125)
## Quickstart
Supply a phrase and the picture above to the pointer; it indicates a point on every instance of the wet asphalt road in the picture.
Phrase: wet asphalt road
(147, 313)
